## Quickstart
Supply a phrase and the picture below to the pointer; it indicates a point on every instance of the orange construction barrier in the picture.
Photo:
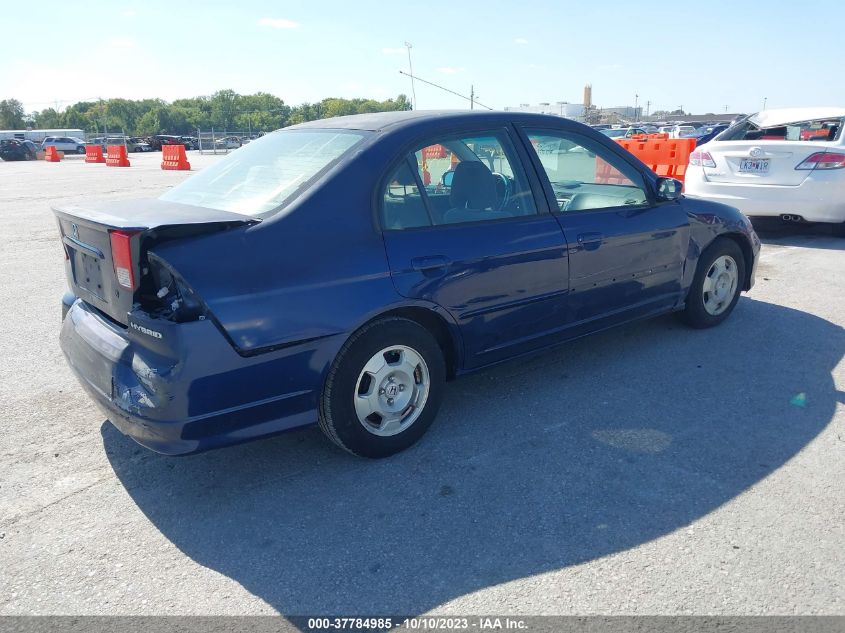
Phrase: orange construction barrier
(606, 174)
(94, 154)
(434, 151)
(173, 157)
(668, 157)
(657, 136)
(52, 155)
(116, 156)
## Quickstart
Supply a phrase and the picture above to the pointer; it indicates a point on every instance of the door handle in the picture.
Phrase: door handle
(428, 263)
(590, 241)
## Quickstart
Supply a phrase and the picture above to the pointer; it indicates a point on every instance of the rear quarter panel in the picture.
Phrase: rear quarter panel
(314, 270)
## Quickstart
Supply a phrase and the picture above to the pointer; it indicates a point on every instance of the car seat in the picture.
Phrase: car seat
(473, 195)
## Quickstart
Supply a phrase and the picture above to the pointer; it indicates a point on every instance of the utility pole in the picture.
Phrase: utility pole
(636, 112)
(471, 96)
(764, 102)
(411, 72)
(471, 99)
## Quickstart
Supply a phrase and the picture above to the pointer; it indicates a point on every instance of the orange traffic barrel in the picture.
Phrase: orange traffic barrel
(52, 155)
(94, 154)
(173, 157)
(116, 156)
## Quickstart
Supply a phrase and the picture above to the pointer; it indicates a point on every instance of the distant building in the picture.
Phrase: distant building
(39, 135)
(588, 96)
(708, 118)
(627, 112)
(564, 109)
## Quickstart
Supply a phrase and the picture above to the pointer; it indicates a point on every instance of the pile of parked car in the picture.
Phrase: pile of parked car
(21, 149)
(17, 149)
(678, 130)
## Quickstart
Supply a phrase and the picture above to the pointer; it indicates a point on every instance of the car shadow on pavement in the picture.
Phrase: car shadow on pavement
(594, 448)
(774, 231)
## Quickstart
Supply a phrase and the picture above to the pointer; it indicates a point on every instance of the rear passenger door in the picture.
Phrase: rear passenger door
(464, 229)
(626, 253)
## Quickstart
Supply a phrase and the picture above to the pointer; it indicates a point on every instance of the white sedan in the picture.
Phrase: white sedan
(787, 163)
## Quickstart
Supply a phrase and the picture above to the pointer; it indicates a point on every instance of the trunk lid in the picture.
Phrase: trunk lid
(86, 233)
(759, 162)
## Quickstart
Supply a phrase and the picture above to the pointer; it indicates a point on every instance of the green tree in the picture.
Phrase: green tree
(11, 114)
(148, 124)
(224, 107)
(225, 110)
(47, 118)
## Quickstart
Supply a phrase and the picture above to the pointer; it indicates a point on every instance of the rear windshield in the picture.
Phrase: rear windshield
(261, 176)
(814, 130)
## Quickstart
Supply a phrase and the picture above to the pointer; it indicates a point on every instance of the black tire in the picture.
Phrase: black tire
(80, 150)
(338, 417)
(695, 314)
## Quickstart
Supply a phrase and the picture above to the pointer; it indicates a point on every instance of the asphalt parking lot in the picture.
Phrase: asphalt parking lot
(649, 470)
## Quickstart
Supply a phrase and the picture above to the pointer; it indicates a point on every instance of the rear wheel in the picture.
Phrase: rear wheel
(80, 150)
(716, 286)
(384, 389)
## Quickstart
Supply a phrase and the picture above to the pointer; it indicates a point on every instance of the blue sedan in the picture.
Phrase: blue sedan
(341, 271)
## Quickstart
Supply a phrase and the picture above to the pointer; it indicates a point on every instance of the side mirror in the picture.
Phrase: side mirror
(446, 179)
(669, 189)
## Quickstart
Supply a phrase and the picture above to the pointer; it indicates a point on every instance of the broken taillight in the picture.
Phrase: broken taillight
(121, 254)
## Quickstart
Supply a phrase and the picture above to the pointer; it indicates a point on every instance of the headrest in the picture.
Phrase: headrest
(473, 186)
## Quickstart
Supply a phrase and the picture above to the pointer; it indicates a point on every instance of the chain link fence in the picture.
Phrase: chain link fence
(221, 142)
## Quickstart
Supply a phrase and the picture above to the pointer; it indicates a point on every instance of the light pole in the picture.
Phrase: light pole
(636, 103)
(764, 102)
(411, 72)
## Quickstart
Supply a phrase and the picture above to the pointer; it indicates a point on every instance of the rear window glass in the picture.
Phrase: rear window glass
(260, 177)
(814, 130)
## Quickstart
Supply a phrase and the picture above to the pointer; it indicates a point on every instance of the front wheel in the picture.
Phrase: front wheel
(80, 150)
(384, 388)
(716, 286)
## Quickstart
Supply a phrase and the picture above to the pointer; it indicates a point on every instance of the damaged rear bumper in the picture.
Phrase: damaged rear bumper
(179, 388)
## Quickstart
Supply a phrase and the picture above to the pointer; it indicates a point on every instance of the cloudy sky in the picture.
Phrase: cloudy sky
(704, 56)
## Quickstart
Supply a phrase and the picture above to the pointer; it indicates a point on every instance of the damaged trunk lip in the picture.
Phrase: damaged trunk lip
(151, 222)
(143, 214)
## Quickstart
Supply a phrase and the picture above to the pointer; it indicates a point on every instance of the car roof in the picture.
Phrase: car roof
(378, 121)
(782, 116)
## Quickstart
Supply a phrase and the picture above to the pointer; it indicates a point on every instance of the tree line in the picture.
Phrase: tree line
(225, 110)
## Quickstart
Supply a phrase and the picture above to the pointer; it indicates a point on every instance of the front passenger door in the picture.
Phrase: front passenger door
(626, 253)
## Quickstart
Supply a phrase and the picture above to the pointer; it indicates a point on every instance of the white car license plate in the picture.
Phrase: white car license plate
(754, 165)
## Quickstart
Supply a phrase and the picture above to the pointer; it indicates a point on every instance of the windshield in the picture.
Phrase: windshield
(261, 176)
